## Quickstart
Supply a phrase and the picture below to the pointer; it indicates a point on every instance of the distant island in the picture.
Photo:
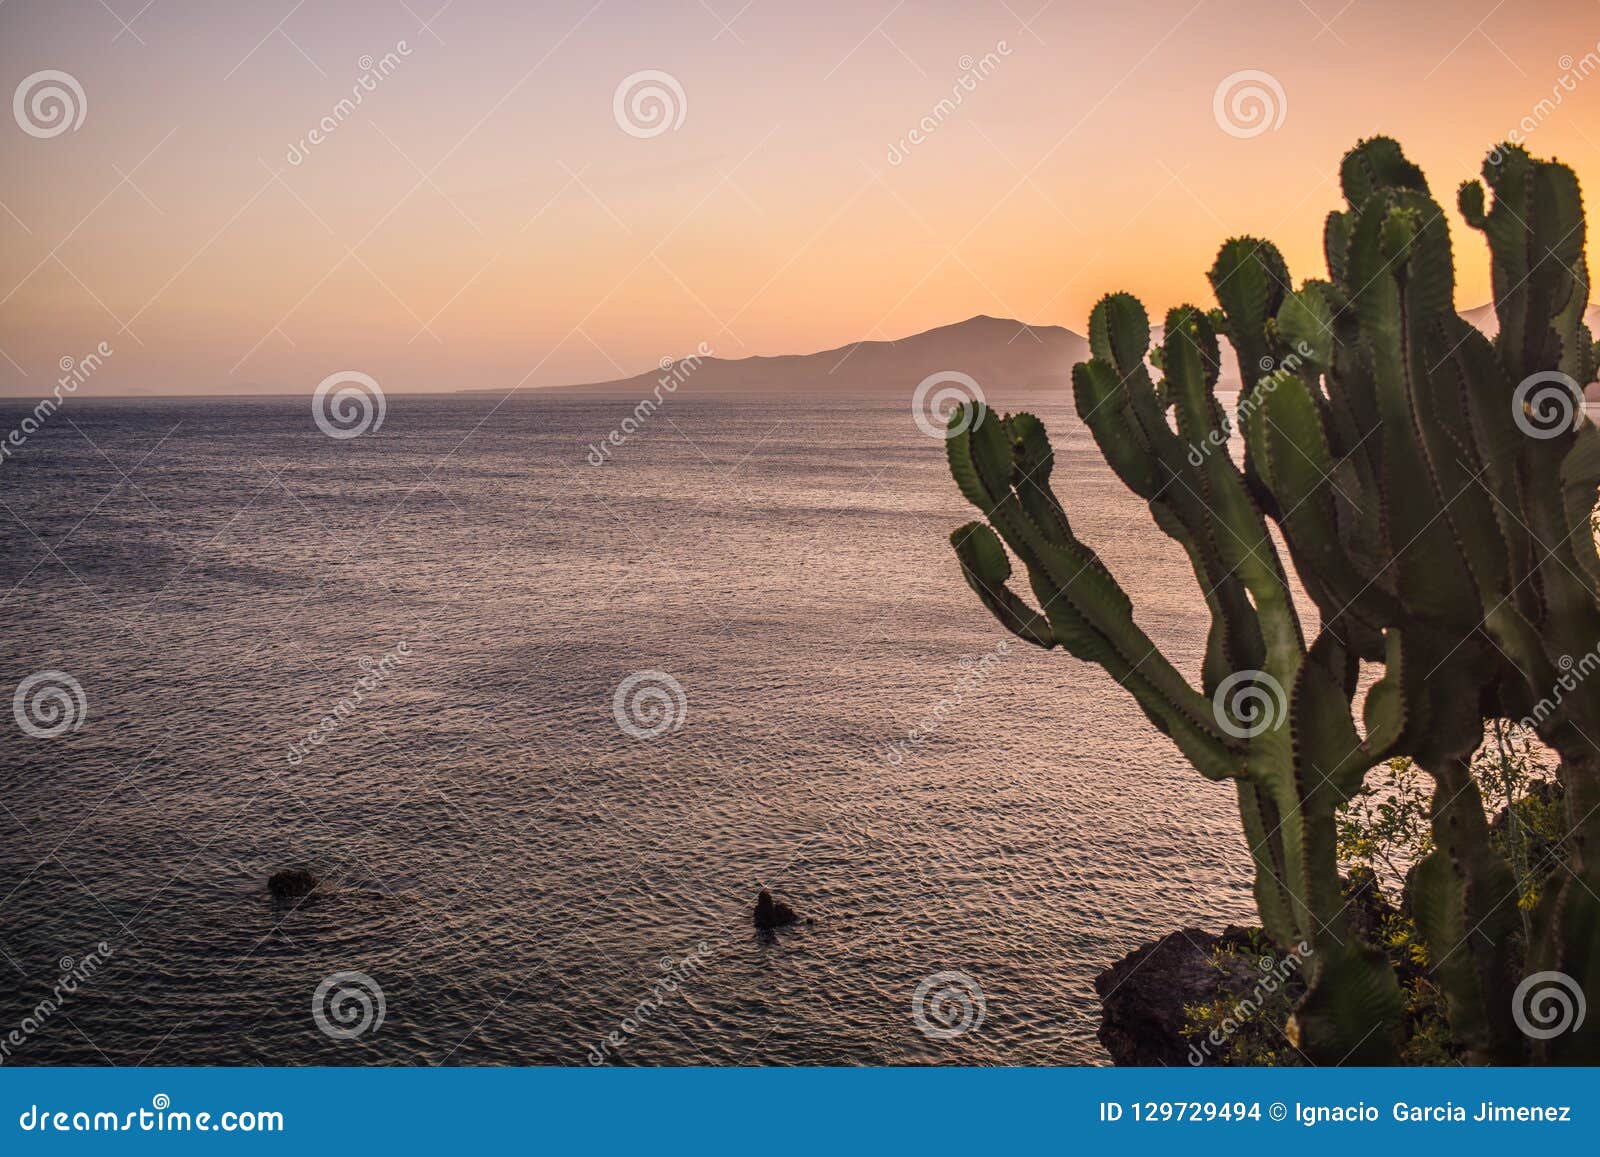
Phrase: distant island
(1002, 354)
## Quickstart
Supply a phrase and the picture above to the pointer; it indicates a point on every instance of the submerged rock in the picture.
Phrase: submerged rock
(292, 884)
(772, 913)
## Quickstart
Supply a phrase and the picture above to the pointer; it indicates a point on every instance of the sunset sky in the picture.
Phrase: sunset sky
(483, 220)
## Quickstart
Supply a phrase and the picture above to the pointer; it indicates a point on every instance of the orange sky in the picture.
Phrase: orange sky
(482, 220)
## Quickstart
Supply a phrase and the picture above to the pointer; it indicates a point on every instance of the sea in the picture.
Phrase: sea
(544, 694)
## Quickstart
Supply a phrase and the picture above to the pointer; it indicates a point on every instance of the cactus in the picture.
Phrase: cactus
(1439, 533)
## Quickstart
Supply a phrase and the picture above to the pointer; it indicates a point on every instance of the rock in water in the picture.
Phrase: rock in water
(1143, 995)
(772, 913)
(292, 884)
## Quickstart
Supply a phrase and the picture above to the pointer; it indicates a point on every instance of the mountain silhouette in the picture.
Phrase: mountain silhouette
(999, 353)
(1002, 355)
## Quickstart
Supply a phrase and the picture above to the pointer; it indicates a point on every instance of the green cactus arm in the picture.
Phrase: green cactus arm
(1580, 485)
(1286, 431)
(1473, 369)
(1119, 404)
(1385, 711)
(1088, 612)
(1330, 756)
(1440, 424)
(1423, 564)
(1567, 921)
(1103, 404)
(1374, 165)
(1353, 1010)
(1322, 336)
(1567, 940)
(1464, 898)
(987, 569)
(1192, 361)
(1577, 343)
(1535, 231)
(1443, 429)
(1250, 281)
(1305, 324)
(1336, 245)
(1353, 997)
(1119, 333)
(1263, 822)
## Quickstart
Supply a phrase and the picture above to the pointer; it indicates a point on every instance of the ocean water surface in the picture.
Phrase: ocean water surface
(518, 874)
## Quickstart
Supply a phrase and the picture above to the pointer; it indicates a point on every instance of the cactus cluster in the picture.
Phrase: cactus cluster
(1433, 489)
